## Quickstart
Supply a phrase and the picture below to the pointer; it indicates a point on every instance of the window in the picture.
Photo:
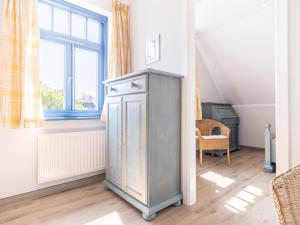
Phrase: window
(73, 60)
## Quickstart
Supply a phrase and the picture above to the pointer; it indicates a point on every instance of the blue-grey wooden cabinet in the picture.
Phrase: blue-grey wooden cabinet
(143, 139)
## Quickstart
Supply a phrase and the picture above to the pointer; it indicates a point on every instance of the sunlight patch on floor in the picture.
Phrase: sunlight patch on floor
(238, 204)
(246, 196)
(254, 190)
(241, 200)
(232, 209)
(218, 179)
(110, 219)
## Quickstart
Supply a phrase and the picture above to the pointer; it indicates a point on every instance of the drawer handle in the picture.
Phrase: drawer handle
(112, 89)
(133, 85)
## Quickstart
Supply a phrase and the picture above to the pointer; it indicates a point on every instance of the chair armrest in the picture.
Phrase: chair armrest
(225, 131)
(198, 133)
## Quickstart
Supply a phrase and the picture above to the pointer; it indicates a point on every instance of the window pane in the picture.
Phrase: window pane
(78, 26)
(52, 74)
(61, 21)
(86, 73)
(45, 16)
(93, 33)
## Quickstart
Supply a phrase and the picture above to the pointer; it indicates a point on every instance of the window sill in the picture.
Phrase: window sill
(71, 118)
(71, 125)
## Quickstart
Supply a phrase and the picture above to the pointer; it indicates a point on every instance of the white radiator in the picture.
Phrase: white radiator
(63, 155)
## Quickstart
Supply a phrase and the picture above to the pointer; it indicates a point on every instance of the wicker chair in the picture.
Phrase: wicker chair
(286, 194)
(207, 141)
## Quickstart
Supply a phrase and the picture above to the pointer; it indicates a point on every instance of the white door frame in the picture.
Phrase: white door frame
(188, 172)
(282, 87)
(281, 99)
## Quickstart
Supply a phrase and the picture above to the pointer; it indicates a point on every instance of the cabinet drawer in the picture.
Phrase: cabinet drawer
(135, 85)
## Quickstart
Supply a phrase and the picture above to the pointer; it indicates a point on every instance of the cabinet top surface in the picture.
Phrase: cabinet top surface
(142, 72)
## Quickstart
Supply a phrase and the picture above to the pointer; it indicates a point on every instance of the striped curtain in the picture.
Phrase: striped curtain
(20, 101)
(120, 51)
(120, 60)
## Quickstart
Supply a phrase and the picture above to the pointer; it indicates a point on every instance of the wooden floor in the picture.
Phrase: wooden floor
(235, 195)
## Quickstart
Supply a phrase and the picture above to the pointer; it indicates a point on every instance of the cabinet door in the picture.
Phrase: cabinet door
(114, 141)
(134, 146)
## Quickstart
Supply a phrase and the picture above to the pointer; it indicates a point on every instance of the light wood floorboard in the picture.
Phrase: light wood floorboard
(238, 194)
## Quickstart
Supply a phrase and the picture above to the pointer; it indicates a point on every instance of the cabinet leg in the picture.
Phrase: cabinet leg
(149, 217)
(177, 204)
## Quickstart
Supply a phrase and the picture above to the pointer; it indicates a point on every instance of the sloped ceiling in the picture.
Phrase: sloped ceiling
(235, 39)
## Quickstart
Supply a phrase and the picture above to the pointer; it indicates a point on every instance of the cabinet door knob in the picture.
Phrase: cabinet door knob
(112, 89)
(133, 85)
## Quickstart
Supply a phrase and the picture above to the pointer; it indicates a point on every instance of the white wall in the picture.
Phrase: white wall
(208, 89)
(103, 4)
(100, 6)
(165, 17)
(18, 162)
(253, 119)
(236, 41)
